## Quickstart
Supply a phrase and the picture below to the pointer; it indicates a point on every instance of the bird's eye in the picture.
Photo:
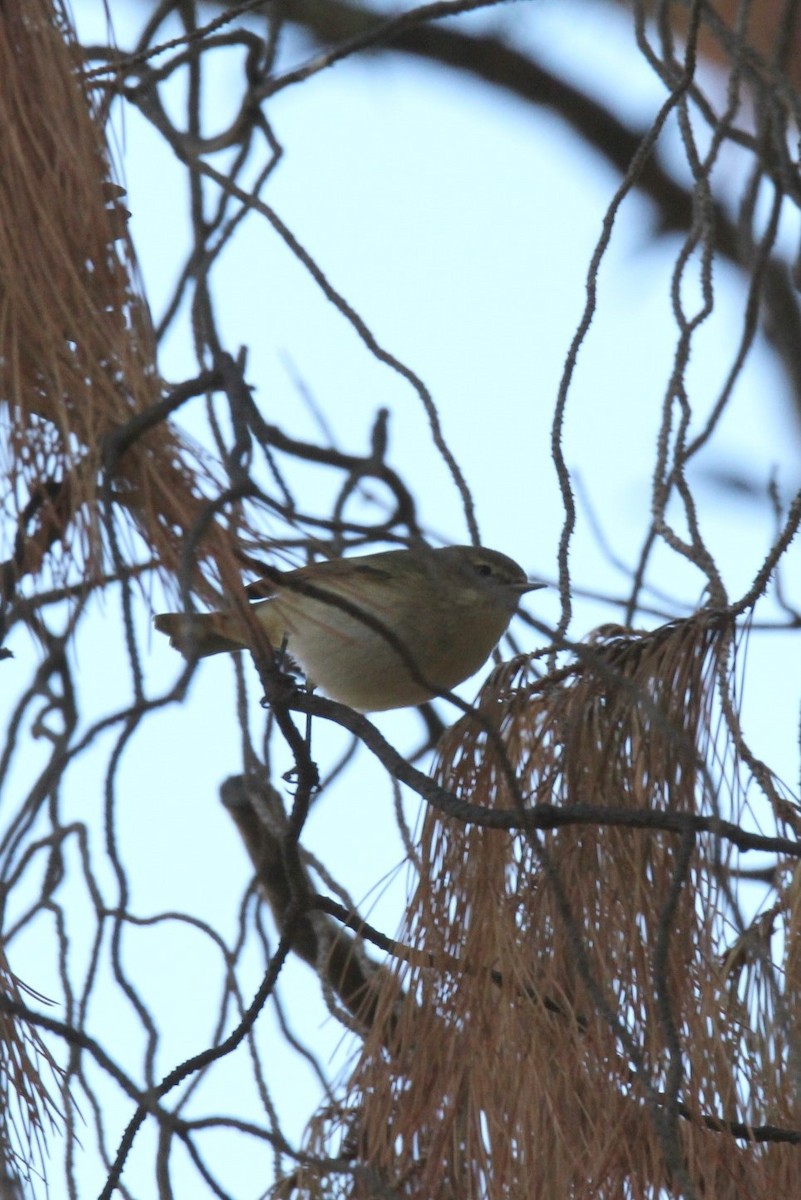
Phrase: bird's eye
(483, 569)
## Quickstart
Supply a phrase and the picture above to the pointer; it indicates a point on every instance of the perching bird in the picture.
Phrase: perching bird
(447, 608)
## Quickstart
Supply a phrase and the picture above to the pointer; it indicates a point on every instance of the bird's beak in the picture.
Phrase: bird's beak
(531, 585)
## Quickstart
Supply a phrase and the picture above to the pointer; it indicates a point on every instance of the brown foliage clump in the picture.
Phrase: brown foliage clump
(77, 353)
(574, 1024)
(27, 1104)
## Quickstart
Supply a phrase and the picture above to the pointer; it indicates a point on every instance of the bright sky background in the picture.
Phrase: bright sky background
(459, 222)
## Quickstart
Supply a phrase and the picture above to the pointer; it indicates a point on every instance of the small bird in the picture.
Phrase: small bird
(445, 610)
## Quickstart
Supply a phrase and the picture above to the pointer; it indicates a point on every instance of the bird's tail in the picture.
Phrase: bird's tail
(199, 634)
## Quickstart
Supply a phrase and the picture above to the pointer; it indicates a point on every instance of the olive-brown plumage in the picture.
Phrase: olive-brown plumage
(446, 608)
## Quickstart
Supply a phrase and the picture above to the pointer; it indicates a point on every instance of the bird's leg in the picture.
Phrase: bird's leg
(309, 689)
(280, 670)
(291, 775)
(282, 675)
